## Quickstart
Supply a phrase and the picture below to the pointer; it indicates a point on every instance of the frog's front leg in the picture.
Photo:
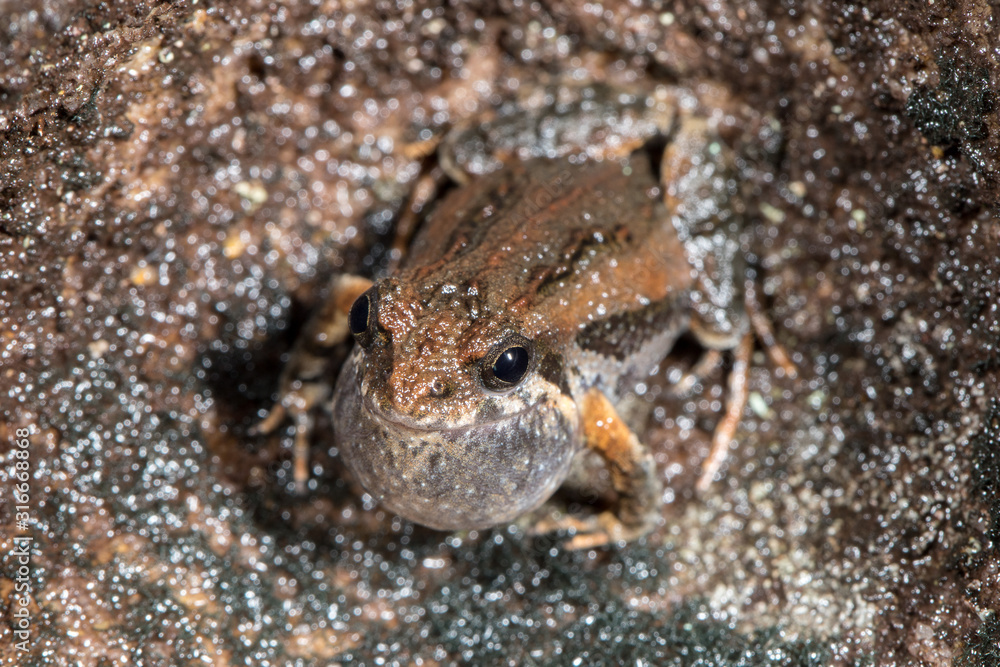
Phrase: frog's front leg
(305, 381)
(633, 476)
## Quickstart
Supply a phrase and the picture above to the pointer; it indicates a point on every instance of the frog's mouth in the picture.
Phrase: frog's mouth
(421, 429)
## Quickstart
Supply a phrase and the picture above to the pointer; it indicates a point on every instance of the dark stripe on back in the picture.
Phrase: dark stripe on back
(623, 334)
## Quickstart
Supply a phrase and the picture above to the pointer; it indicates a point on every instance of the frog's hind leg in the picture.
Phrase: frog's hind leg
(755, 322)
(765, 332)
(304, 381)
(739, 378)
(633, 477)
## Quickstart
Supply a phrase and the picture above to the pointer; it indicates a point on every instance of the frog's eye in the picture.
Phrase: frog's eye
(358, 318)
(507, 364)
(511, 365)
(361, 316)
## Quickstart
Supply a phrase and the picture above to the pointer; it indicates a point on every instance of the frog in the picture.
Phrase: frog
(506, 344)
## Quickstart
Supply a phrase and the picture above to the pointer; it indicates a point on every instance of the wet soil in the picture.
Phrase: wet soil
(177, 183)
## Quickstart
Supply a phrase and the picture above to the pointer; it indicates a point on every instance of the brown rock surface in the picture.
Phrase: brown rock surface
(178, 179)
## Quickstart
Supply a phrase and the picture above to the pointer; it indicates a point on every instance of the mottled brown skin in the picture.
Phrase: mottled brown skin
(580, 264)
(547, 248)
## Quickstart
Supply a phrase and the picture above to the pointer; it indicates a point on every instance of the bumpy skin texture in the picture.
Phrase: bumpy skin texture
(581, 264)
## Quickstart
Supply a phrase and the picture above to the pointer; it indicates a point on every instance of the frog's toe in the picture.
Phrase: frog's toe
(558, 523)
(296, 403)
(271, 421)
(592, 532)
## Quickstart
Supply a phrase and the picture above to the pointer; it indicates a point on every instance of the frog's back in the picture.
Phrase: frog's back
(558, 247)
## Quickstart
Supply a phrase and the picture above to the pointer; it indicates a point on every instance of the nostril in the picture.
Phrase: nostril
(440, 388)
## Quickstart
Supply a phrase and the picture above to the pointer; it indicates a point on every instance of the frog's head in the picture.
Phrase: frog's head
(449, 415)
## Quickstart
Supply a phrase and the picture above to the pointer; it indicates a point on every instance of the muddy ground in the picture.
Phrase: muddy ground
(179, 179)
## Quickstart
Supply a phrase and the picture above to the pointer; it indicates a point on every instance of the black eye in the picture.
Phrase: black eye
(511, 365)
(358, 319)
(508, 366)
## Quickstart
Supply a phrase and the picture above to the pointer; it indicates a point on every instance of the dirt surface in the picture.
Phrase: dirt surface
(178, 181)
